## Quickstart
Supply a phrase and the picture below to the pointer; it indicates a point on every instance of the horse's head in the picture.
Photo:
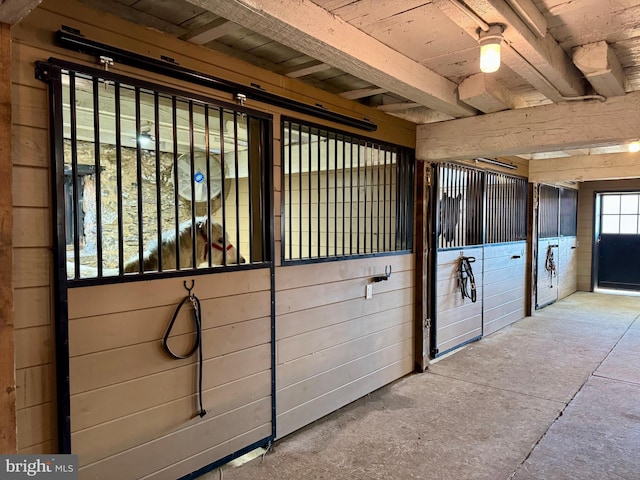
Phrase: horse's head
(221, 248)
(450, 215)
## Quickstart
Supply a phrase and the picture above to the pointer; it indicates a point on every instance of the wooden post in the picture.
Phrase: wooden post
(423, 191)
(7, 360)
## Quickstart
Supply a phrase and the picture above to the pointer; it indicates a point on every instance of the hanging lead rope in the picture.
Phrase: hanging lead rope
(197, 344)
(550, 265)
(466, 278)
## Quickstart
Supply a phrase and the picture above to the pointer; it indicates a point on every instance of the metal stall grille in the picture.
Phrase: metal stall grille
(460, 206)
(158, 180)
(548, 211)
(343, 195)
(506, 208)
(568, 212)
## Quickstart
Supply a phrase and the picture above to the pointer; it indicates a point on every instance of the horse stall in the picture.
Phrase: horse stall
(223, 272)
(480, 268)
(556, 260)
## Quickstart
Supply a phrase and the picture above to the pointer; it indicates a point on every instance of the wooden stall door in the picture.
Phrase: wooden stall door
(134, 408)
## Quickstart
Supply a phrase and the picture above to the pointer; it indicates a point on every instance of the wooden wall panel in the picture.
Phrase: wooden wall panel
(567, 267)
(122, 381)
(333, 345)
(505, 285)
(457, 320)
(586, 199)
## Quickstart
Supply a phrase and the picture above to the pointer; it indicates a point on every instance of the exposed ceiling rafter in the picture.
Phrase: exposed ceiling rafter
(310, 29)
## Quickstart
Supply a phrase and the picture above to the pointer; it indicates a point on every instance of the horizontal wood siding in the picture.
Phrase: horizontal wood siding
(586, 199)
(332, 345)
(547, 283)
(103, 339)
(567, 267)
(505, 279)
(457, 320)
(130, 400)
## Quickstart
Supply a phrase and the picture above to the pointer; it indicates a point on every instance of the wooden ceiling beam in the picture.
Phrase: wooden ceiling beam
(312, 30)
(601, 67)
(363, 93)
(563, 126)
(307, 69)
(12, 11)
(484, 93)
(613, 166)
(398, 107)
(525, 53)
(211, 31)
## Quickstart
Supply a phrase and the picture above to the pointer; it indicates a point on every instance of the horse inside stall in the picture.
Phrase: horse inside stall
(449, 216)
(220, 249)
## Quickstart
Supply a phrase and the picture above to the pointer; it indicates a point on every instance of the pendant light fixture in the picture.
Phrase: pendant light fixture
(490, 41)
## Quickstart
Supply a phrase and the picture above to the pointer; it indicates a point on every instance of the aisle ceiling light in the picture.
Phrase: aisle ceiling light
(634, 147)
(490, 41)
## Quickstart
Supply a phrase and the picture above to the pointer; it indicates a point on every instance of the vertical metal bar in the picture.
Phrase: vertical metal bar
(289, 152)
(61, 317)
(119, 176)
(250, 187)
(378, 193)
(98, 172)
(318, 234)
(351, 146)
(139, 184)
(299, 190)
(384, 203)
(310, 219)
(326, 179)
(358, 212)
(365, 157)
(74, 174)
(223, 196)
(156, 120)
(344, 192)
(207, 156)
(405, 200)
(335, 195)
(237, 183)
(176, 203)
(193, 188)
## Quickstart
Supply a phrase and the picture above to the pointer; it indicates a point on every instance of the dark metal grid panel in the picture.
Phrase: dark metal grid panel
(548, 211)
(568, 212)
(506, 203)
(363, 178)
(147, 206)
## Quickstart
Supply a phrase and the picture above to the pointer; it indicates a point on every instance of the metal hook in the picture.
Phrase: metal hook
(387, 272)
(188, 289)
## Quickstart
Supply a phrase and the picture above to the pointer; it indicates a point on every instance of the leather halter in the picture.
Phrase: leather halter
(217, 246)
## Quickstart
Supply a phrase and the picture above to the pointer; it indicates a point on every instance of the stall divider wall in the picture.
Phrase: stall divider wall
(378, 351)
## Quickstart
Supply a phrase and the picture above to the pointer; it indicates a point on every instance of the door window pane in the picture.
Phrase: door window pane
(610, 204)
(610, 224)
(629, 204)
(629, 224)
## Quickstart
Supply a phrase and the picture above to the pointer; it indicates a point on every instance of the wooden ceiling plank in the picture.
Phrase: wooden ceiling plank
(601, 67)
(211, 31)
(308, 70)
(308, 28)
(12, 11)
(485, 94)
(363, 93)
(396, 107)
(563, 126)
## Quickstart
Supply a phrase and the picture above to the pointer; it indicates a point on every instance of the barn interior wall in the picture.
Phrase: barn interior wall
(380, 345)
(586, 205)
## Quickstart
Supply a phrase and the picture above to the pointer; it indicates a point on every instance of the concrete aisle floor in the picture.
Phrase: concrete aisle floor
(555, 396)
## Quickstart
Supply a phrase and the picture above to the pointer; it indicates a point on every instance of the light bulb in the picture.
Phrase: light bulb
(634, 147)
(490, 57)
